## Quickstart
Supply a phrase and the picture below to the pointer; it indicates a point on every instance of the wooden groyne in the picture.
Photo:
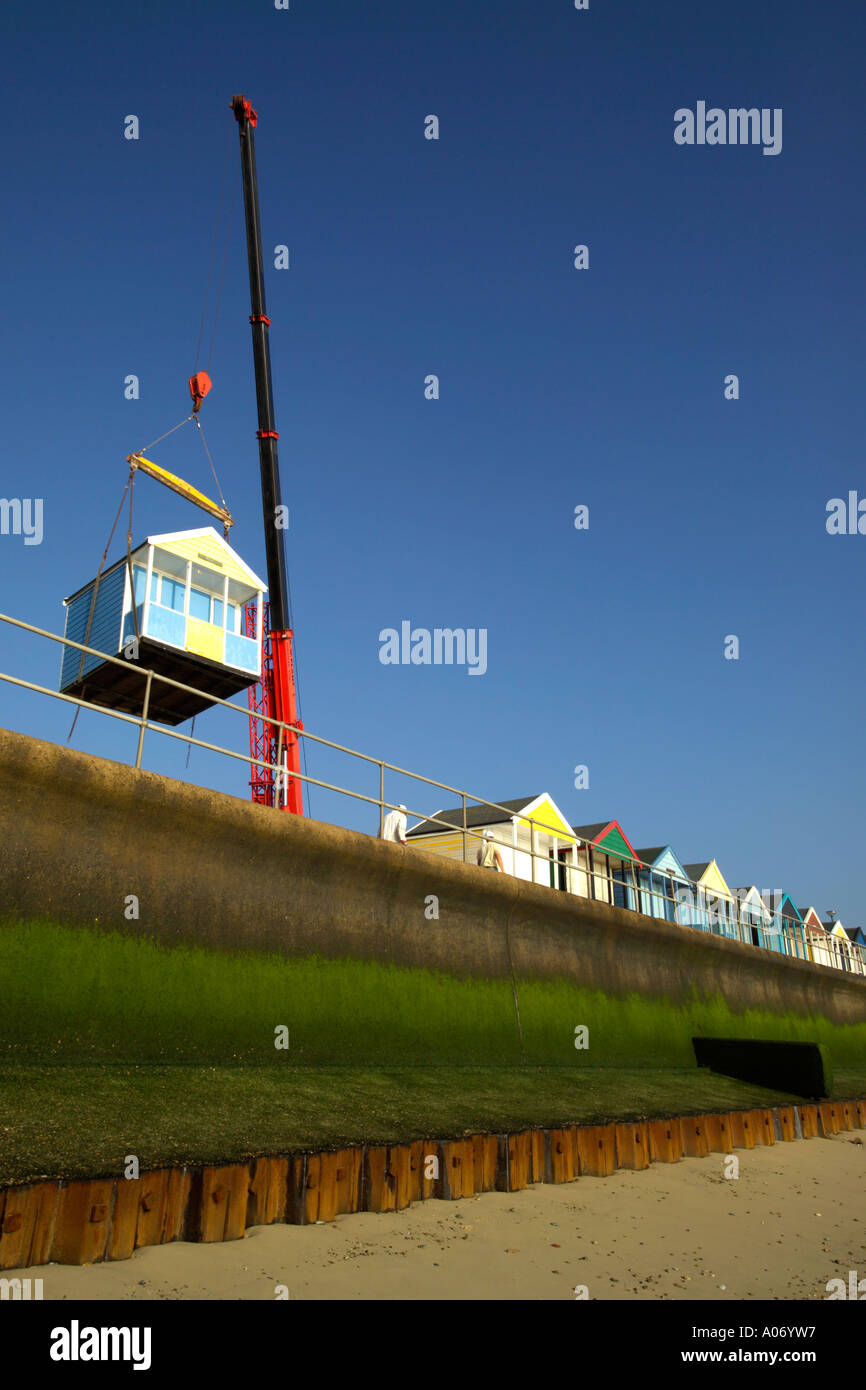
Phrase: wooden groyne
(83, 1221)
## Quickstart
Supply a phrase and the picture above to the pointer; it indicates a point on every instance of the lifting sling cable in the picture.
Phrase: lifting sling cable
(226, 524)
(189, 745)
(183, 489)
(190, 494)
(162, 475)
(93, 595)
(185, 421)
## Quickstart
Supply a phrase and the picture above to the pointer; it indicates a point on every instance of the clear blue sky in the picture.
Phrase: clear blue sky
(558, 387)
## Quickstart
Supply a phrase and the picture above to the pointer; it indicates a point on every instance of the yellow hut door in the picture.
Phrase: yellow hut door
(204, 639)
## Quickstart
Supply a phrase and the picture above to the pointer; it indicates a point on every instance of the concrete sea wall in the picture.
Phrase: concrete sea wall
(79, 834)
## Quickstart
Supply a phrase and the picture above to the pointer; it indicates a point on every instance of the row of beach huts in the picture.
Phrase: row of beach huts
(187, 598)
(536, 843)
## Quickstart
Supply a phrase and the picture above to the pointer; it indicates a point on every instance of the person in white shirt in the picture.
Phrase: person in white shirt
(395, 826)
(488, 855)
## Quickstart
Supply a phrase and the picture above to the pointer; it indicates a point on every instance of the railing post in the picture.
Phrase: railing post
(278, 781)
(464, 827)
(381, 798)
(532, 846)
(636, 905)
(144, 713)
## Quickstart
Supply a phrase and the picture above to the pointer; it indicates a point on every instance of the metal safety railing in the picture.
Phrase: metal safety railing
(762, 923)
(567, 862)
(145, 725)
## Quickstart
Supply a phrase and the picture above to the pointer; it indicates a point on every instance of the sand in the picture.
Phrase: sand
(793, 1219)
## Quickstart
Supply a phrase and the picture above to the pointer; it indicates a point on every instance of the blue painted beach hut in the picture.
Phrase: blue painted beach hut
(665, 888)
(785, 931)
(857, 939)
(177, 607)
(793, 929)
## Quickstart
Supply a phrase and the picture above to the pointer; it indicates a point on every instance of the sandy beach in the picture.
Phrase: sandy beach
(793, 1219)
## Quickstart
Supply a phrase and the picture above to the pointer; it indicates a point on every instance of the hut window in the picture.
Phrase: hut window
(233, 624)
(140, 577)
(199, 604)
(210, 610)
(169, 592)
(172, 594)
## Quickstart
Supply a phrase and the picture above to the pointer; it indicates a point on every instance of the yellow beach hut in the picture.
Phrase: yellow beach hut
(518, 827)
(714, 901)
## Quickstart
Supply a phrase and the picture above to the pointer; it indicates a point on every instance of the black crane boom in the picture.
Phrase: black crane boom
(260, 323)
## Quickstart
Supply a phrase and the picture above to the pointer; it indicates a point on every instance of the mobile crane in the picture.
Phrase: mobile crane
(275, 697)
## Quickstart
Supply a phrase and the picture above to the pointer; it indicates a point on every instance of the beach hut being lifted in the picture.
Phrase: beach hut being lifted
(174, 605)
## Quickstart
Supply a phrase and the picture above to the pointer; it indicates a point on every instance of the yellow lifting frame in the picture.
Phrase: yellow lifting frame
(186, 490)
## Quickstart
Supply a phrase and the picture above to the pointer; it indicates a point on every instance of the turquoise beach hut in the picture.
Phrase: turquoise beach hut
(785, 932)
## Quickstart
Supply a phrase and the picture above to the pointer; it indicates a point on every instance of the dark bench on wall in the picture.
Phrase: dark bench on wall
(800, 1068)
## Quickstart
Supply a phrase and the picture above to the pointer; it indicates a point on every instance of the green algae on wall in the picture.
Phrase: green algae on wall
(72, 994)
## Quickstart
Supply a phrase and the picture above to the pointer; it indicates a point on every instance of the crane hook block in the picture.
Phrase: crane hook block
(199, 385)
